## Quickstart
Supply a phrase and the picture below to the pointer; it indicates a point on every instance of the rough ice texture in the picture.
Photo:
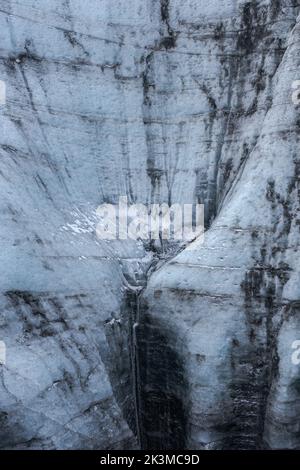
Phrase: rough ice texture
(162, 101)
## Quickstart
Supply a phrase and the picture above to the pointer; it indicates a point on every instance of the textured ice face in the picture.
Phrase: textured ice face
(233, 302)
(162, 102)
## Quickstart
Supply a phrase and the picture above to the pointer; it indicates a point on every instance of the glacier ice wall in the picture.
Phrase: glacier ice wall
(161, 101)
